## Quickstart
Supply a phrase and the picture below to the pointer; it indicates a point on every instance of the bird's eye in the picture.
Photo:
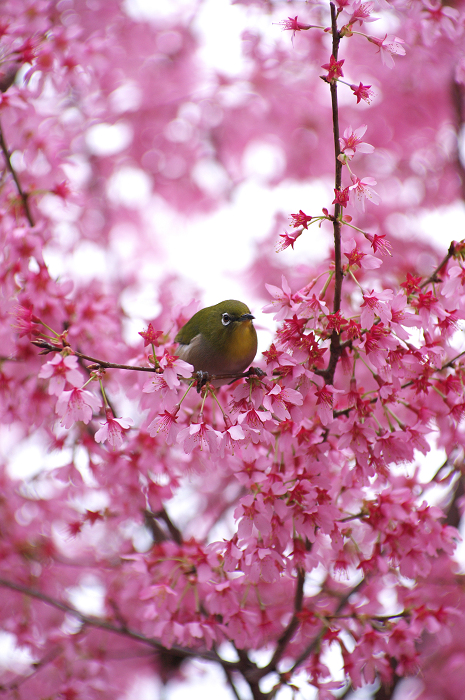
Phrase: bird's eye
(225, 319)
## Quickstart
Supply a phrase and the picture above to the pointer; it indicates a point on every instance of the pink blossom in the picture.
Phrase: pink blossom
(301, 219)
(232, 438)
(292, 24)
(352, 141)
(278, 358)
(341, 197)
(334, 69)
(357, 258)
(439, 19)
(361, 12)
(378, 243)
(151, 336)
(283, 301)
(253, 512)
(61, 370)
(165, 422)
(76, 405)
(375, 303)
(388, 47)
(253, 423)
(172, 366)
(279, 401)
(324, 403)
(362, 92)
(363, 190)
(112, 430)
(288, 239)
(199, 435)
(455, 282)
(26, 323)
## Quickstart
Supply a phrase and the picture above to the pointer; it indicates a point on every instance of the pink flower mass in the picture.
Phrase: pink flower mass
(298, 529)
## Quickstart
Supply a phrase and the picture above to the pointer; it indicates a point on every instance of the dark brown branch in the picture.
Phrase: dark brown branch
(310, 648)
(292, 626)
(23, 195)
(36, 666)
(49, 347)
(335, 347)
(103, 364)
(91, 621)
(229, 678)
(159, 534)
(458, 103)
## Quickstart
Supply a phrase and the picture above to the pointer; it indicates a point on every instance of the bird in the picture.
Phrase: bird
(219, 339)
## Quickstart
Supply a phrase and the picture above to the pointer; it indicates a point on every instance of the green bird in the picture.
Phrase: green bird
(219, 339)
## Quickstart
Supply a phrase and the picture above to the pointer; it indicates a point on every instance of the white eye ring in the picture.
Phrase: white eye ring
(225, 319)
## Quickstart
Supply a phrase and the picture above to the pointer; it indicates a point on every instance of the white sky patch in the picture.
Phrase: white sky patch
(13, 657)
(88, 596)
(204, 680)
(108, 139)
(146, 10)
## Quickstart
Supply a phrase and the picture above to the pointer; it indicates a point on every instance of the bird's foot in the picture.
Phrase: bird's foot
(255, 372)
(202, 379)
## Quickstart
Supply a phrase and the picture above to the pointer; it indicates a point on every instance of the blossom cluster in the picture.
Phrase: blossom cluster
(289, 513)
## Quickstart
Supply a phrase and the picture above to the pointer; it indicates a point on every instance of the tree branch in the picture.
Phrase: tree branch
(103, 364)
(335, 347)
(23, 195)
(292, 626)
(91, 621)
(317, 639)
(36, 667)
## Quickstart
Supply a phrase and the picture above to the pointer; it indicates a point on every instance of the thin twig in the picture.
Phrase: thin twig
(292, 626)
(458, 102)
(229, 678)
(317, 639)
(124, 631)
(35, 667)
(346, 411)
(49, 347)
(335, 347)
(23, 195)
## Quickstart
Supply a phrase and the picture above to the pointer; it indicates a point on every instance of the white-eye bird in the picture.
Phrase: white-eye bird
(219, 339)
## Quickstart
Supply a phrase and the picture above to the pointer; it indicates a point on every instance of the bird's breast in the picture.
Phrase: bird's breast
(241, 347)
(231, 356)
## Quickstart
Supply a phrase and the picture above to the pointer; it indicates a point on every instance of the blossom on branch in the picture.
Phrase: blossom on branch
(362, 92)
(293, 25)
(112, 429)
(388, 47)
(61, 370)
(76, 405)
(352, 141)
(363, 190)
(334, 69)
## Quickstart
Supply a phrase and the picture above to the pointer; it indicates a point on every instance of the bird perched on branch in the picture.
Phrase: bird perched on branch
(219, 340)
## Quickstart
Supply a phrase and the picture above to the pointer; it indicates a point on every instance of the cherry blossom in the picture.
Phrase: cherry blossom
(363, 190)
(352, 141)
(388, 47)
(112, 430)
(334, 69)
(362, 92)
(309, 509)
(61, 370)
(76, 405)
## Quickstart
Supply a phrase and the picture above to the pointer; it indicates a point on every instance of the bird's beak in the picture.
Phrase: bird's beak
(246, 317)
